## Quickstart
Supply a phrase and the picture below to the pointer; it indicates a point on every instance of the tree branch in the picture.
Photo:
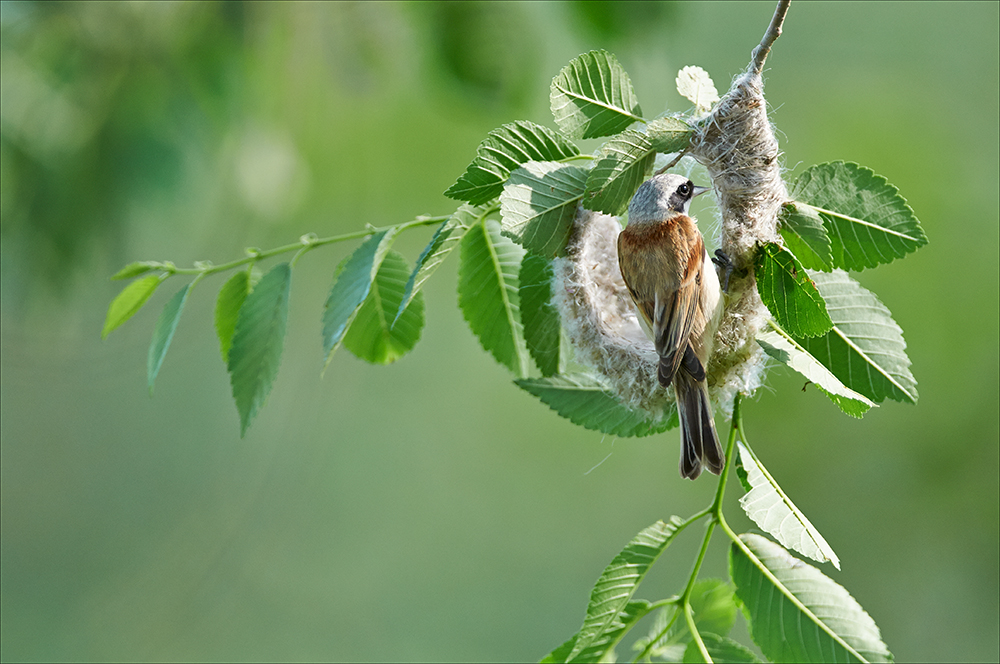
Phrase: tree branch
(773, 32)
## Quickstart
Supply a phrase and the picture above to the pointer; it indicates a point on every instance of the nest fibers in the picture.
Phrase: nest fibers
(736, 144)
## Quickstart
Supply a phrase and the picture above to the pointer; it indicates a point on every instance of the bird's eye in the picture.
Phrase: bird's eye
(684, 189)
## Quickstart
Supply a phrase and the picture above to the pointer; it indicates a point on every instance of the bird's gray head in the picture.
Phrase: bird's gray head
(661, 197)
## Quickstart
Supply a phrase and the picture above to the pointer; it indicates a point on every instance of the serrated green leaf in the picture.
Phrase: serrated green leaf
(797, 614)
(865, 349)
(542, 329)
(669, 134)
(789, 293)
(867, 220)
(618, 582)
(585, 401)
(592, 97)
(128, 302)
(538, 205)
(351, 283)
(487, 293)
(163, 334)
(771, 509)
(627, 159)
(802, 229)
(502, 151)
(373, 336)
(602, 648)
(255, 354)
(781, 346)
(445, 239)
(227, 309)
(695, 84)
(720, 649)
(135, 269)
(714, 611)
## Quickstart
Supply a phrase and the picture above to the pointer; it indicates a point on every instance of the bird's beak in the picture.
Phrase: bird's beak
(698, 191)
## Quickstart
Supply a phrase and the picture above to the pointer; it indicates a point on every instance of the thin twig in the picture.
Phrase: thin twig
(773, 32)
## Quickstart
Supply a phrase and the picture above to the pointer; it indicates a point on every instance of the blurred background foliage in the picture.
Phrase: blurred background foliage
(430, 510)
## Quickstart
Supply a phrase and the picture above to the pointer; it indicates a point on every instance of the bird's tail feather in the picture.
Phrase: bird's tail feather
(699, 440)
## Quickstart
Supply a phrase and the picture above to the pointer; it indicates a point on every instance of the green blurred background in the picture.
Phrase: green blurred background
(430, 510)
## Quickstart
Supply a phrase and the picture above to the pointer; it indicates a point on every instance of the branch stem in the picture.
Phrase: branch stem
(773, 32)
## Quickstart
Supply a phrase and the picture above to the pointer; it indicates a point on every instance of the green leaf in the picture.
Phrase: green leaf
(865, 349)
(135, 269)
(542, 329)
(592, 97)
(627, 159)
(255, 354)
(351, 283)
(804, 234)
(445, 239)
(585, 401)
(796, 613)
(669, 134)
(164, 333)
(502, 151)
(789, 293)
(714, 610)
(602, 648)
(373, 336)
(867, 220)
(768, 506)
(129, 301)
(778, 344)
(695, 84)
(487, 293)
(227, 309)
(538, 205)
(618, 582)
(720, 649)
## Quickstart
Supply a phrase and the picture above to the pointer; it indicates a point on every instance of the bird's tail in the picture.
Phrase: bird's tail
(699, 440)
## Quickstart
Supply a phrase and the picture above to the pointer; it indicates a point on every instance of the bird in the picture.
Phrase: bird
(674, 285)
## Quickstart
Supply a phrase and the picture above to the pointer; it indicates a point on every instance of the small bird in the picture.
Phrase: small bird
(674, 285)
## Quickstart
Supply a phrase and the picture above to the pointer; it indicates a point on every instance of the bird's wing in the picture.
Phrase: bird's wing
(675, 311)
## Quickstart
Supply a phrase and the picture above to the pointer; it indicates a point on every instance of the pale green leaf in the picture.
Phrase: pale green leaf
(163, 334)
(865, 349)
(502, 151)
(227, 309)
(542, 330)
(585, 401)
(373, 336)
(768, 506)
(592, 97)
(720, 649)
(255, 354)
(129, 301)
(618, 582)
(487, 293)
(867, 220)
(351, 283)
(805, 236)
(781, 346)
(695, 84)
(445, 239)
(538, 205)
(797, 614)
(789, 293)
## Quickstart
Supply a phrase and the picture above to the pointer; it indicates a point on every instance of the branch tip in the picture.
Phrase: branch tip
(773, 32)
